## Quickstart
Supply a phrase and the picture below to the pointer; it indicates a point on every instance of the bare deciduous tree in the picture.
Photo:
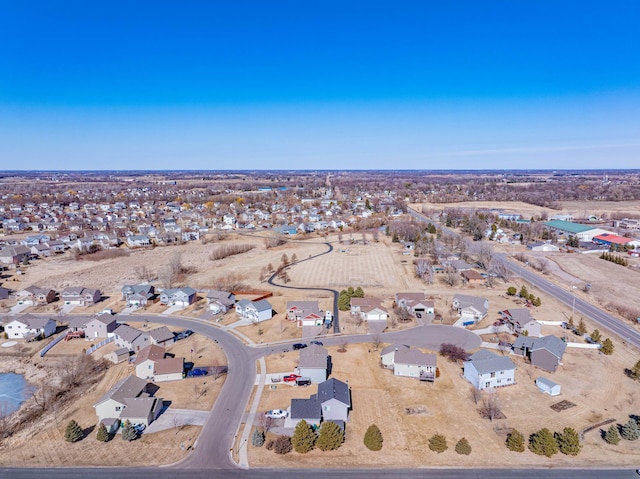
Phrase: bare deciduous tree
(491, 405)
(451, 276)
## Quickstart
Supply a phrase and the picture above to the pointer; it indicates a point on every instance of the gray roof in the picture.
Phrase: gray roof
(552, 344)
(487, 362)
(546, 382)
(161, 334)
(262, 305)
(465, 300)
(129, 387)
(315, 356)
(520, 316)
(138, 407)
(406, 355)
(306, 408)
(127, 333)
(334, 389)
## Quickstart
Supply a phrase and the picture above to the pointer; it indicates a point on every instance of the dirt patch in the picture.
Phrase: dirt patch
(562, 406)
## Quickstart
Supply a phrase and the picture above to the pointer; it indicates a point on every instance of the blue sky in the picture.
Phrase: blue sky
(319, 85)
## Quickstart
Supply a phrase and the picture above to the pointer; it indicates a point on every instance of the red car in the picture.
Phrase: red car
(290, 378)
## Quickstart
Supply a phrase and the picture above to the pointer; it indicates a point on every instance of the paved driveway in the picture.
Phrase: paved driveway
(178, 417)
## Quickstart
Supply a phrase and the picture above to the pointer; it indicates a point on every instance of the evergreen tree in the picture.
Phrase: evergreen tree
(582, 328)
(511, 290)
(373, 438)
(537, 302)
(73, 432)
(463, 447)
(570, 323)
(257, 438)
(128, 432)
(596, 336)
(331, 436)
(358, 293)
(515, 441)
(612, 436)
(438, 443)
(607, 347)
(635, 371)
(543, 443)
(102, 435)
(344, 302)
(523, 292)
(303, 438)
(568, 441)
(630, 430)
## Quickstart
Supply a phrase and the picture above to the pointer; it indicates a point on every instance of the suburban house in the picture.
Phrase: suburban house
(130, 399)
(415, 302)
(178, 296)
(471, 276)
(151, 363)
(255, 311)
(34, 295)
(548, 386)
(138, 294)
(80, 296)
(135, 241)
(470, 308)
(409, 362)
(314, 363)
(131, 338)
(520, 320)
(30, 327)
(368, 309)
(162, 336)
(100, 327)
(4, 293)
(220, 301)
(486, 370)
(305, 313)
(331, 403)
(14, 254)
(543, 246)
(545, 353)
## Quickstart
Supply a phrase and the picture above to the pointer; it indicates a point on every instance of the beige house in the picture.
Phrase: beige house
(130, 399)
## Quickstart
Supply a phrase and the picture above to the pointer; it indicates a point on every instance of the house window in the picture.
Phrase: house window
(493, 375)
(118, 408)
(499, 381)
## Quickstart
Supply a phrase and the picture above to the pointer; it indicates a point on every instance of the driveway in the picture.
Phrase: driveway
(172, 309)
(178, 417)
(19, 308)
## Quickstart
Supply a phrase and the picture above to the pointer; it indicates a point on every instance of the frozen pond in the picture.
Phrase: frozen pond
(14, 389)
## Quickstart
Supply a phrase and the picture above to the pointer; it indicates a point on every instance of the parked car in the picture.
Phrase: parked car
(197, 372)
(299, 346)
(183, 334)
(139, 428)
(303, 382)
(276, 414)
(318, 343)
(290, 378)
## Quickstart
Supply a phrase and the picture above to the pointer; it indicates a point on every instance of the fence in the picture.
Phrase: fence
(100, 344)
(44, 350)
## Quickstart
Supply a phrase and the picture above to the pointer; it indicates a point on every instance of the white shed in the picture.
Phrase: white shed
(548, 386)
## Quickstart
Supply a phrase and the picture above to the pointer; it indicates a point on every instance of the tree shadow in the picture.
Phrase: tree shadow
(87, 431)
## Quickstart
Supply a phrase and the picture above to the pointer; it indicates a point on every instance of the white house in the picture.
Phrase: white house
(470, 308)
(305, 313)
(255, 311)
(178, 297)
(409, 362)
(486, 370)
(29, 327)
(369, 309)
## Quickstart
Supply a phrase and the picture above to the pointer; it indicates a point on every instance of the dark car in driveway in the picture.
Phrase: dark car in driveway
(299, 346)
(197, 372)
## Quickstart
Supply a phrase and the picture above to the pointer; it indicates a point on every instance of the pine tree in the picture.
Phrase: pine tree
(523, 292)
(102, 435)
(568, 441)
(596, 336)
(304, 439)
(331, 436)
(543, 443)
(570, 323)
(373, 438)
(582, 328)
(607, 347)
(358, 293)
(73, 432)
(515, 441)
(344, 301)
(635, 371)
(438, 443)
(630, 430)
(511, 291)
(463, 447)
(128, 432)
(257, 438)
(612, 436)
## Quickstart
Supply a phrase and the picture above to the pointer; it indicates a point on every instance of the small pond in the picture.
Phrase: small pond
(14, 390)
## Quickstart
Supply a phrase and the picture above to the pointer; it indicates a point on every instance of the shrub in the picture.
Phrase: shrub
(373, 438)
(543, 443)
(438, 443)
(515, 441)
(331, 436)
(282, 445)
(453, 352)
(569, 441)
(463, 447)
(128, 432)
(73, 432)
(257, 438)
(612, 436)
(511, 290)
(224, 251)
(304, 439)
(102, 434)
(270, 444)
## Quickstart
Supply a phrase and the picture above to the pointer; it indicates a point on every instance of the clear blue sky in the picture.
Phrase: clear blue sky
(307, 84)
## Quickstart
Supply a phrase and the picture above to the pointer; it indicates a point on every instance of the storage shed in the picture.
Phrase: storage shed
(548, 386)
